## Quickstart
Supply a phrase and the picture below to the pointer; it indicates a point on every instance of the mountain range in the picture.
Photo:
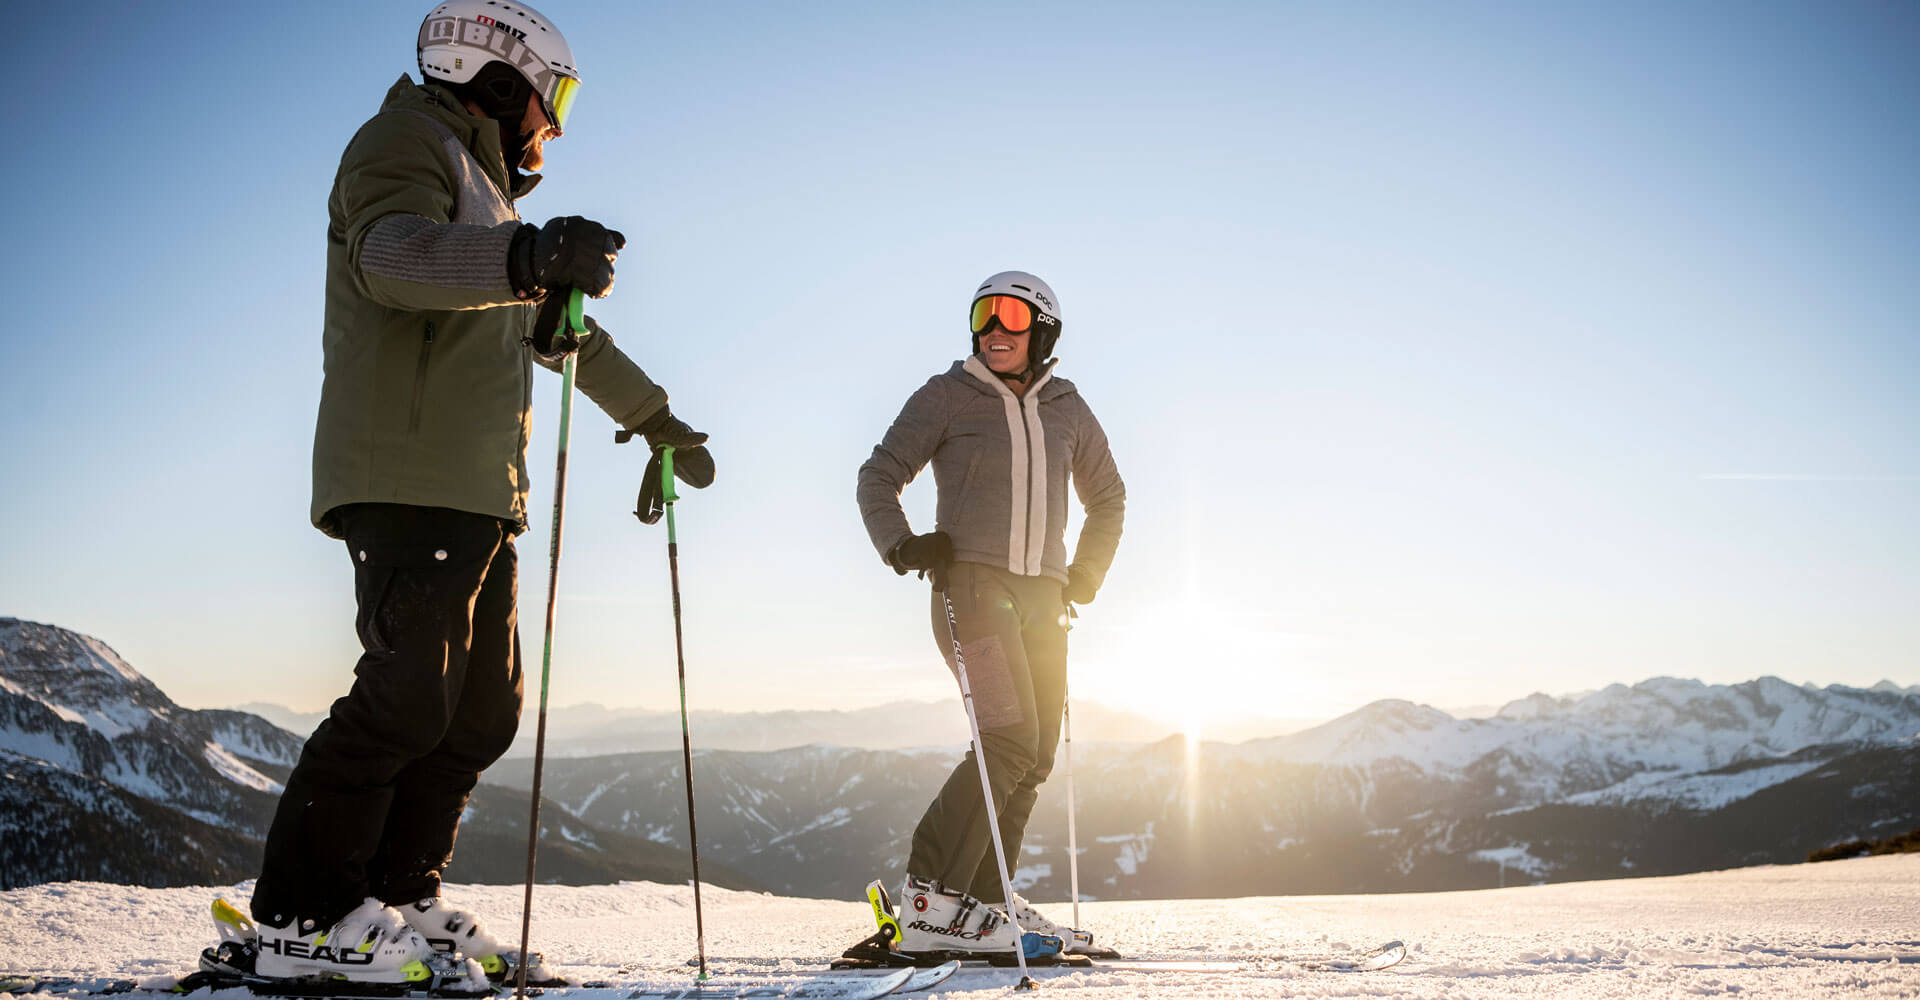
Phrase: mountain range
(590, 730)
(1662, 777)
(105, 778)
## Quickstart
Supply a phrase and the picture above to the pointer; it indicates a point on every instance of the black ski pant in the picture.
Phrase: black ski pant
(373, 805)
(1013, 636)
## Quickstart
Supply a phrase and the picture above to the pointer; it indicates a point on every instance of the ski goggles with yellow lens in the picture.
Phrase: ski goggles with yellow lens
(560, 102)
(1015, 314)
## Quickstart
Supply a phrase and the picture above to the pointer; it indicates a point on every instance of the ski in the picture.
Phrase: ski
(198, 982)
(880, 950)
(802, 982)
(850, 986)
(876, 952)
(926, 979)
(73, 986)
(800, 986)
(1385, 956)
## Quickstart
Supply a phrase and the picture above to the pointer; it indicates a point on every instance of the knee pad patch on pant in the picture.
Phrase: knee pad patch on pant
(990, 678)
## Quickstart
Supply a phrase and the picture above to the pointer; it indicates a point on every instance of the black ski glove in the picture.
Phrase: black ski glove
(692, 463)
(931, 554)
(1079, 588)
(569, 252)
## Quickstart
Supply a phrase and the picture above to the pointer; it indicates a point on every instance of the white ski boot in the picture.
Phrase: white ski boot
(459, 932)
(1073, 940)
(373, 944)
(934, 918)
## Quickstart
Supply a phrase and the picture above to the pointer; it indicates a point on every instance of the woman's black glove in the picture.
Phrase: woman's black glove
(931, 554)
(1079, 588)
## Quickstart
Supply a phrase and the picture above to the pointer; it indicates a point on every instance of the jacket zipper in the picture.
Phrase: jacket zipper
(420, 380)
(1026, 523)
(530, 313)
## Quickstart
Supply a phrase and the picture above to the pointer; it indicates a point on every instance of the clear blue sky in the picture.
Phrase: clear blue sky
(1450, 352)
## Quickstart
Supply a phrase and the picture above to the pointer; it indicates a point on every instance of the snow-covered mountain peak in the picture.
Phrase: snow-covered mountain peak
(30, 652)
(1386, 729)
(69, 704)
(1532, 706)
(1403, 715)
(79, 678)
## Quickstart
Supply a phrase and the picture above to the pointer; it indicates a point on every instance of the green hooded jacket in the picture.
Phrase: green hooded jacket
(428, 393)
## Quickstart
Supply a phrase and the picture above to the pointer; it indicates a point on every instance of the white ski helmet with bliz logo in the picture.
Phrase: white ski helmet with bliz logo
(462, 37)
(1033, 291)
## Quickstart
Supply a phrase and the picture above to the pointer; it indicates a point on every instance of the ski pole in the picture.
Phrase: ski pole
(686, 735)
(986, 793)
(575, 325)
(1073, 840)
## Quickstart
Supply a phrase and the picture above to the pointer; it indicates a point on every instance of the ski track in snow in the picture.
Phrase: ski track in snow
(1839, 929)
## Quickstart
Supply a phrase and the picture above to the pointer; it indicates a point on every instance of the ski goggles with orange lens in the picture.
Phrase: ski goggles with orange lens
(1015, 315)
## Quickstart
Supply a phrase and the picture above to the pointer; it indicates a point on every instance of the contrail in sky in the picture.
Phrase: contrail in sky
(1807, 477)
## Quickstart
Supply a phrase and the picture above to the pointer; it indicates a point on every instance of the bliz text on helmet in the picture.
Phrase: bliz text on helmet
(495, 38)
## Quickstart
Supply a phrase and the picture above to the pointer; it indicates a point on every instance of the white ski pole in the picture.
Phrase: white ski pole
(1073, 839)
(1066, 723)
(986, 793)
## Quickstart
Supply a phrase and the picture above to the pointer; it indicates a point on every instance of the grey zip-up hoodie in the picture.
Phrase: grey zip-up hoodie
(1000, 464)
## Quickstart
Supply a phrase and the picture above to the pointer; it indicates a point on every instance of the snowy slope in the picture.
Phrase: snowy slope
(1810, 932)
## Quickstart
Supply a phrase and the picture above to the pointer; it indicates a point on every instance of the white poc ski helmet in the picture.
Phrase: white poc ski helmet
(1046, 307)
(463, 37)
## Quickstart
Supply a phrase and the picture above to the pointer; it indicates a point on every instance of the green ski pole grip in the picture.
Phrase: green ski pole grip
(577, 313)
(666, 474)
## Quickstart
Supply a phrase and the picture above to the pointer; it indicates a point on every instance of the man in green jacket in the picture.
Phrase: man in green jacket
(420, 466)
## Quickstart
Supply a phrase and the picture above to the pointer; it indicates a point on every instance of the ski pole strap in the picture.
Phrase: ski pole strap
(657, 494)
(560, 324)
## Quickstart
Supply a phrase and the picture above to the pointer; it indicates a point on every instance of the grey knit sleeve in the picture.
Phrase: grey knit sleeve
(416, 252)
(906, 449)
(1096, 480)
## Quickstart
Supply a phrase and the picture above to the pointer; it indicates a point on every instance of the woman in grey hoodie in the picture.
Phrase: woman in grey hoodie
(1004, 436)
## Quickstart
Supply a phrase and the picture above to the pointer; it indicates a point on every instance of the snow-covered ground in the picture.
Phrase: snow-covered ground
(1840, 929)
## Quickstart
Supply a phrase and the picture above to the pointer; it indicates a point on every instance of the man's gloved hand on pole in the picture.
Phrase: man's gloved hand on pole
(567, 252)
(692, 463)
